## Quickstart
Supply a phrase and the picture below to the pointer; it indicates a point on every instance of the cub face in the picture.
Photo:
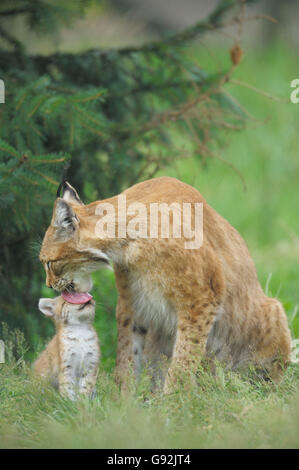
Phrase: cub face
(64, 313)
(67, 262)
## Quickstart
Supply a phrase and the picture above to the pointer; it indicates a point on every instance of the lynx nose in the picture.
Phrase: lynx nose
(49, 284)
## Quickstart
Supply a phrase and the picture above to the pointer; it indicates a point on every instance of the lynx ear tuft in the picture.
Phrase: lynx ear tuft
(64, 218)
(46, 306)
(69, 194)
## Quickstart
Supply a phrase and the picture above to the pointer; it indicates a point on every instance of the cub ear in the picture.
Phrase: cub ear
(64, 218)
(46, 306)
(69, 194)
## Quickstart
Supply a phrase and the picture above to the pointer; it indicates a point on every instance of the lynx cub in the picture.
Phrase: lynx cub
(71, 358)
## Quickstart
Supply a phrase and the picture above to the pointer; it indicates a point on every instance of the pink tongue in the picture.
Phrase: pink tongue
(76, 297)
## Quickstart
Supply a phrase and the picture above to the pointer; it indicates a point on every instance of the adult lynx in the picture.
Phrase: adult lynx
(71, 359)
(173, 301)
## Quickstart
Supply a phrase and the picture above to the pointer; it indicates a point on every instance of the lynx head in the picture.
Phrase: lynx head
(65, 313)
(66, 255)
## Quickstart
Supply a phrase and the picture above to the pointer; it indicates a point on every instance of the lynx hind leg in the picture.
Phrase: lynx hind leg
(273, 352)
(47, 364)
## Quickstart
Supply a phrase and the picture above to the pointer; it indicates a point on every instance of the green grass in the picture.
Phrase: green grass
(228, 410)
(225, 410)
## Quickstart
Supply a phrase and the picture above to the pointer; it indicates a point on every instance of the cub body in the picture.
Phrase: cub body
(71, 359)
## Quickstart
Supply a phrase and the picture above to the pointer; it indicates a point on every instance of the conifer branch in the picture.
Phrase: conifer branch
(15, 11)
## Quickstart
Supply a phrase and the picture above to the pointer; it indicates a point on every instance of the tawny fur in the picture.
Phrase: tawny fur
(71, 359)
(173, 302)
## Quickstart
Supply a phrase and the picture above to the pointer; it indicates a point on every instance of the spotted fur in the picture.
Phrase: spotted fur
(71, 359)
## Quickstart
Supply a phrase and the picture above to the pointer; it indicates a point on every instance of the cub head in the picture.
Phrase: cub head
(65, 313)
(65, 253)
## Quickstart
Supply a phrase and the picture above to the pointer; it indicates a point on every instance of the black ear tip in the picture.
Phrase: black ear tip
(59, 189)
(63, 185)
